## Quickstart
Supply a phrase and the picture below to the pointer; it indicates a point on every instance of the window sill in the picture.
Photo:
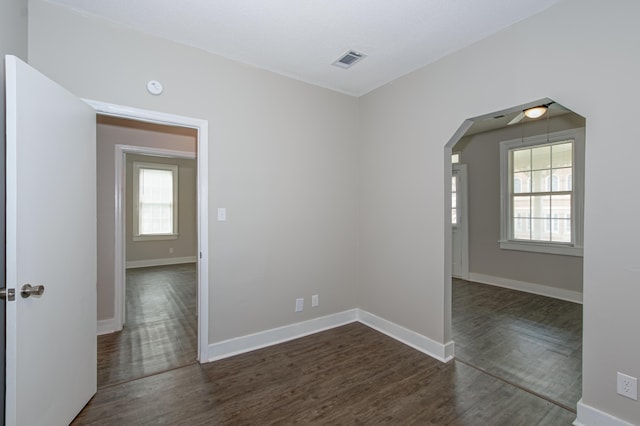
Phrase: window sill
(563, 250)
(162, 237)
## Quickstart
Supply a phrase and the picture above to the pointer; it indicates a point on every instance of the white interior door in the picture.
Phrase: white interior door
(51, 241)
(459, 222)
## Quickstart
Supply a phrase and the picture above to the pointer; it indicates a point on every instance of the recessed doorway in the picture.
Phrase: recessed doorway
(518, 314)
(158, 301)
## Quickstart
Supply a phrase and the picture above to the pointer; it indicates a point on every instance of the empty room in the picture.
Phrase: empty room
(322, 249)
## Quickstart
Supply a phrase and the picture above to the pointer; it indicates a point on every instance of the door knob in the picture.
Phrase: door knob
(28, 290)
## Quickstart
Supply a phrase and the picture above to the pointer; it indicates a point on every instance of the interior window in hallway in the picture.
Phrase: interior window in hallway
(160, 331)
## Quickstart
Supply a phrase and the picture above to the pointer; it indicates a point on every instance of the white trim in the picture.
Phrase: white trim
(505, 241)
(120, 225)
(540, 289)
(535, 247)
(439, 351)
(138, 166)
(157, 152)
(462, 207)
(107, 326)
(119, 239)
(202, 157)
(590, 416)
(160, 262)
(262, 339)
(155, 237)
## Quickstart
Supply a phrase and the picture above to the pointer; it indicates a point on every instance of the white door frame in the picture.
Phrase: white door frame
(463, 217)
(202, 127)
(120, 240)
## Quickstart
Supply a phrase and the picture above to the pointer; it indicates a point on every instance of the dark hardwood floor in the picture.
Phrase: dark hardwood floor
(160, 331)
(532, 341)
(348, 375)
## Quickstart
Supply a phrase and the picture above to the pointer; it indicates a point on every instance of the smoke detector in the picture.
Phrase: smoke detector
(349, 59)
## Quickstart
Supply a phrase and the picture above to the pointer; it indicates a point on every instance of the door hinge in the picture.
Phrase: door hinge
(8, 293)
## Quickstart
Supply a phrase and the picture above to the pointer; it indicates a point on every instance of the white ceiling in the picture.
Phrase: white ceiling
(301, 38)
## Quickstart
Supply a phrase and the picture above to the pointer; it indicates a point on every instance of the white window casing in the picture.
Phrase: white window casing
(155, 215)
(507, 240)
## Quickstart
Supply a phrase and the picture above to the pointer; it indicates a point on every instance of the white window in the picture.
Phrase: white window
(455, 159)
(542, 188)
(155, 201)
(454, 200)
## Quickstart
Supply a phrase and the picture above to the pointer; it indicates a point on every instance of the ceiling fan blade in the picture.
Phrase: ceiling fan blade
(517, 119)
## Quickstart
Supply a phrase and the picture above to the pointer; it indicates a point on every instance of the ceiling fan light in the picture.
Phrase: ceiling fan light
(536, 112)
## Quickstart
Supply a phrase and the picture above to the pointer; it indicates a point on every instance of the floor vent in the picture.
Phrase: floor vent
(349, 59)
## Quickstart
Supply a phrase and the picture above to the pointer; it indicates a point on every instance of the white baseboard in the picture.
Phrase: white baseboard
(274, 336)
(542, 290)
(439, 351)
(107, 326)
(160, 262)
(239, 345)
(590, 416)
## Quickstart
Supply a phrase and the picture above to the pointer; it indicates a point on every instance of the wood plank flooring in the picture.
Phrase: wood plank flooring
(160, 332)
(347, 375)
(344, 376)
(532, 341)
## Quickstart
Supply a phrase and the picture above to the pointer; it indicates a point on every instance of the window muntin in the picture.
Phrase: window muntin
(542, 186)
(545, 195)
(155, 201)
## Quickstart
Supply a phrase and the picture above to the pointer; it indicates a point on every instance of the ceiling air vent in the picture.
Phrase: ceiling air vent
(349, 59)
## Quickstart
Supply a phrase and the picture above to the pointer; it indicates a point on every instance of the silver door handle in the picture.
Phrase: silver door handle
(28, 290)
(8, 293)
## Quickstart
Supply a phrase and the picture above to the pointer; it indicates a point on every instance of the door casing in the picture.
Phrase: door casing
(460, 242)
(202, 128)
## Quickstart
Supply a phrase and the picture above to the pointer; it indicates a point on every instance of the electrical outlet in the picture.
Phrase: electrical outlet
(314, 301)
(222, 214)
(299, 305)
(628, 386)
(170, 250)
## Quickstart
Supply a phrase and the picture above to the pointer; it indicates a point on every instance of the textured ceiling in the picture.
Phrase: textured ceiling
(301, 38)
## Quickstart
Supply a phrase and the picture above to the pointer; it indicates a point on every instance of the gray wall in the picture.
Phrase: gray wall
(186, 243)
(282, 160)
(481, 153)
(13, 41)
(582, 54)
(109, 133)
(314, 179)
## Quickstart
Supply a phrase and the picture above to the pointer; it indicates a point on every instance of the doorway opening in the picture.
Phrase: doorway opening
(159, 299)
(517, 314)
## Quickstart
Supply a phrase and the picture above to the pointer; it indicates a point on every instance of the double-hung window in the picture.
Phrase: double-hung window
(455, 159)
(542, 188)
(155, 201)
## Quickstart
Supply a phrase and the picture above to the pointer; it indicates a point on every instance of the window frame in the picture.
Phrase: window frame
(506, 241)
(173, 168)
(456, 157)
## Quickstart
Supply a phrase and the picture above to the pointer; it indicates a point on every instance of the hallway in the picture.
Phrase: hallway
(160, 331)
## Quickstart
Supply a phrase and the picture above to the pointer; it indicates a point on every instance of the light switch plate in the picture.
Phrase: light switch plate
(222, 214)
